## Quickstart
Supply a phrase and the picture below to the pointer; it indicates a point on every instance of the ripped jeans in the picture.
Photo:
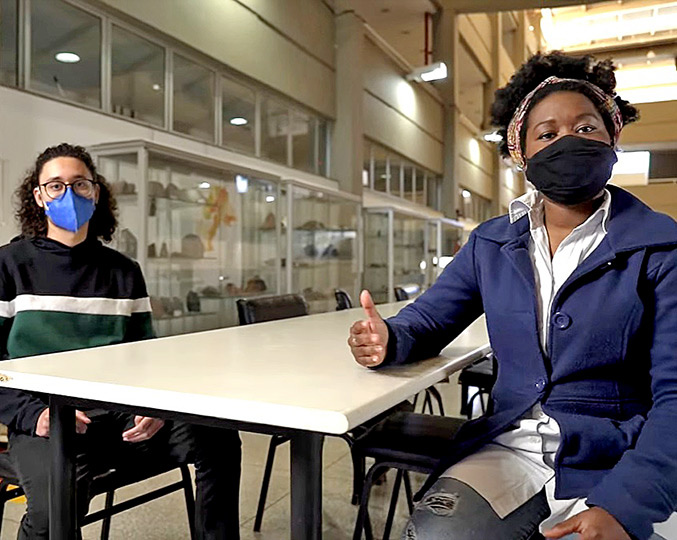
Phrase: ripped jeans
(452, 510)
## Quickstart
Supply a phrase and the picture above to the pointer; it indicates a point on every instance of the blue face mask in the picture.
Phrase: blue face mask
(71, 211)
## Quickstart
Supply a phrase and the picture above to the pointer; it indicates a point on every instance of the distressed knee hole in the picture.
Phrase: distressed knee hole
(440, 503)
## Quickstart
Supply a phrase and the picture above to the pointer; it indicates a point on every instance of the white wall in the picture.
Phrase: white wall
(399, 114)
(31, 123)
(287, 45)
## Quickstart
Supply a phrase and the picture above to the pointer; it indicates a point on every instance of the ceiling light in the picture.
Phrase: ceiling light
(493, 137)
(531, 27)
(204, 185)
(241, 183)
(157, 87)
(466, 194)
(270, 198)
(431, 72)
(67, 57)
(239, 121)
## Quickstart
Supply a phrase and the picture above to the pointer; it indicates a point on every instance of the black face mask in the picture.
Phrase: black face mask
(571, 170)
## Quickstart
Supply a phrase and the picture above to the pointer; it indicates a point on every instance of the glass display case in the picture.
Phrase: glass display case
(207, 233)
(323, 246)
(405, 250)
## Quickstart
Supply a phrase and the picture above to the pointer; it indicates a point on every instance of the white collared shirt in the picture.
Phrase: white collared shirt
(519, 463)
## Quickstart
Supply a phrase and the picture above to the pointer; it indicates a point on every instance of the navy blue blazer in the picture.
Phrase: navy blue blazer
(610, 377)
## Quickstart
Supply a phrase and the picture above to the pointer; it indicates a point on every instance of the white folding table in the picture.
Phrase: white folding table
(294, 377)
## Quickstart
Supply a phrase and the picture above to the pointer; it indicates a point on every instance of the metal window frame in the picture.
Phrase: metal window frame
(218, 70)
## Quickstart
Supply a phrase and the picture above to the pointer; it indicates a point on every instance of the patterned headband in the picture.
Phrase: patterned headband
(607, 102)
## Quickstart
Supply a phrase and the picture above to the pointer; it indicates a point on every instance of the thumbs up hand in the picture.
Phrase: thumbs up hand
(368, 339)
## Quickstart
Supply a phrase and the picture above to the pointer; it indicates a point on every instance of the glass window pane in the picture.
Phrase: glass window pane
(408, 174)
(66, 52)
(421, 181)
(322, 146)
(376, 255)
(8, 42)
(367, 176)
(193, 99)
(238, 112)
(138, 78)
(395, 176)
(381, 171)
(274, 130)
(303, 129)
(432, 192)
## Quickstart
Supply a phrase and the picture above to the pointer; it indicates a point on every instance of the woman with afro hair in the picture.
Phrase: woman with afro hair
(578, 284)
(61, 289)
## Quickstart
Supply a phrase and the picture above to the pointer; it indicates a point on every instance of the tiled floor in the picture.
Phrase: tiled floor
(165, 519)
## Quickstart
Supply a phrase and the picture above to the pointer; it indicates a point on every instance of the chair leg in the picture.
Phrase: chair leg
(363, 512)
(393, 505)
(105, 523)
(275, 441)
(190, 499)
(427, 403)
(464, 400)
(359, 465)
(409, 492)
(438, 397)
(3, 501)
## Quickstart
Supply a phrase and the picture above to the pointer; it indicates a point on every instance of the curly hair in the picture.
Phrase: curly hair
(541, 66)
(32, 218)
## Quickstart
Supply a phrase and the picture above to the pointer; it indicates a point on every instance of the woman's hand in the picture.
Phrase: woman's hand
(42, 426)
(144, 428)
(368, 339)
(593, 524)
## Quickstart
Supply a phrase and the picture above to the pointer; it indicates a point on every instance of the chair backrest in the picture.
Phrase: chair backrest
(343, 300)
(271, 308)
(401, 294)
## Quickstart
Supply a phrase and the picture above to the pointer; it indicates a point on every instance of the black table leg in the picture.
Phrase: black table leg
(62, 513)
(306, 486)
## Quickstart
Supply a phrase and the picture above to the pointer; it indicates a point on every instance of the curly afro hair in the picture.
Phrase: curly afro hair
(32, 218)
(541, 66)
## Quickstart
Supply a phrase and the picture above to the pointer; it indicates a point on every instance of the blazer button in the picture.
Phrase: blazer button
(562, 320)
(540, 384)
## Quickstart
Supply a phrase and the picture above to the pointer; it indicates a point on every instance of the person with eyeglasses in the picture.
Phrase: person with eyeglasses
(61, 289)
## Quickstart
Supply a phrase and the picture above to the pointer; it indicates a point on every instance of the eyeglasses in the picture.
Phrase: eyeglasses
(57, 189)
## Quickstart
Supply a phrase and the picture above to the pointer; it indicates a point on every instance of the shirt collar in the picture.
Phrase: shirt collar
(531, 204)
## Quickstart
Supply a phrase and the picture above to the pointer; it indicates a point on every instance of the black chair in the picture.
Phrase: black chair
(343, 300)
(270, 308)
(400, 294)
(405, 441)
(482, 376)
(107, 483)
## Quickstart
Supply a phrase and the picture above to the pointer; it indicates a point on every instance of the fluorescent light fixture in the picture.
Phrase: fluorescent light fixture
(423, 265)
(270, 198)
(431, 72)
(632, 163)
(67, 57)
(444, 261)
(241, 183)
(493, 137)
(204, 185)
(435, 261)
(239, 121)
(157, 87)
(466, 194)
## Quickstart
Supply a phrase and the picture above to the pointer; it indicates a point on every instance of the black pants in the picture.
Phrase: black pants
(215, 452)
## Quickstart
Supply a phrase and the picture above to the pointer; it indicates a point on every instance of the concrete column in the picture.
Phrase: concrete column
(494, 82)
(446, 49)
(347, 143)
